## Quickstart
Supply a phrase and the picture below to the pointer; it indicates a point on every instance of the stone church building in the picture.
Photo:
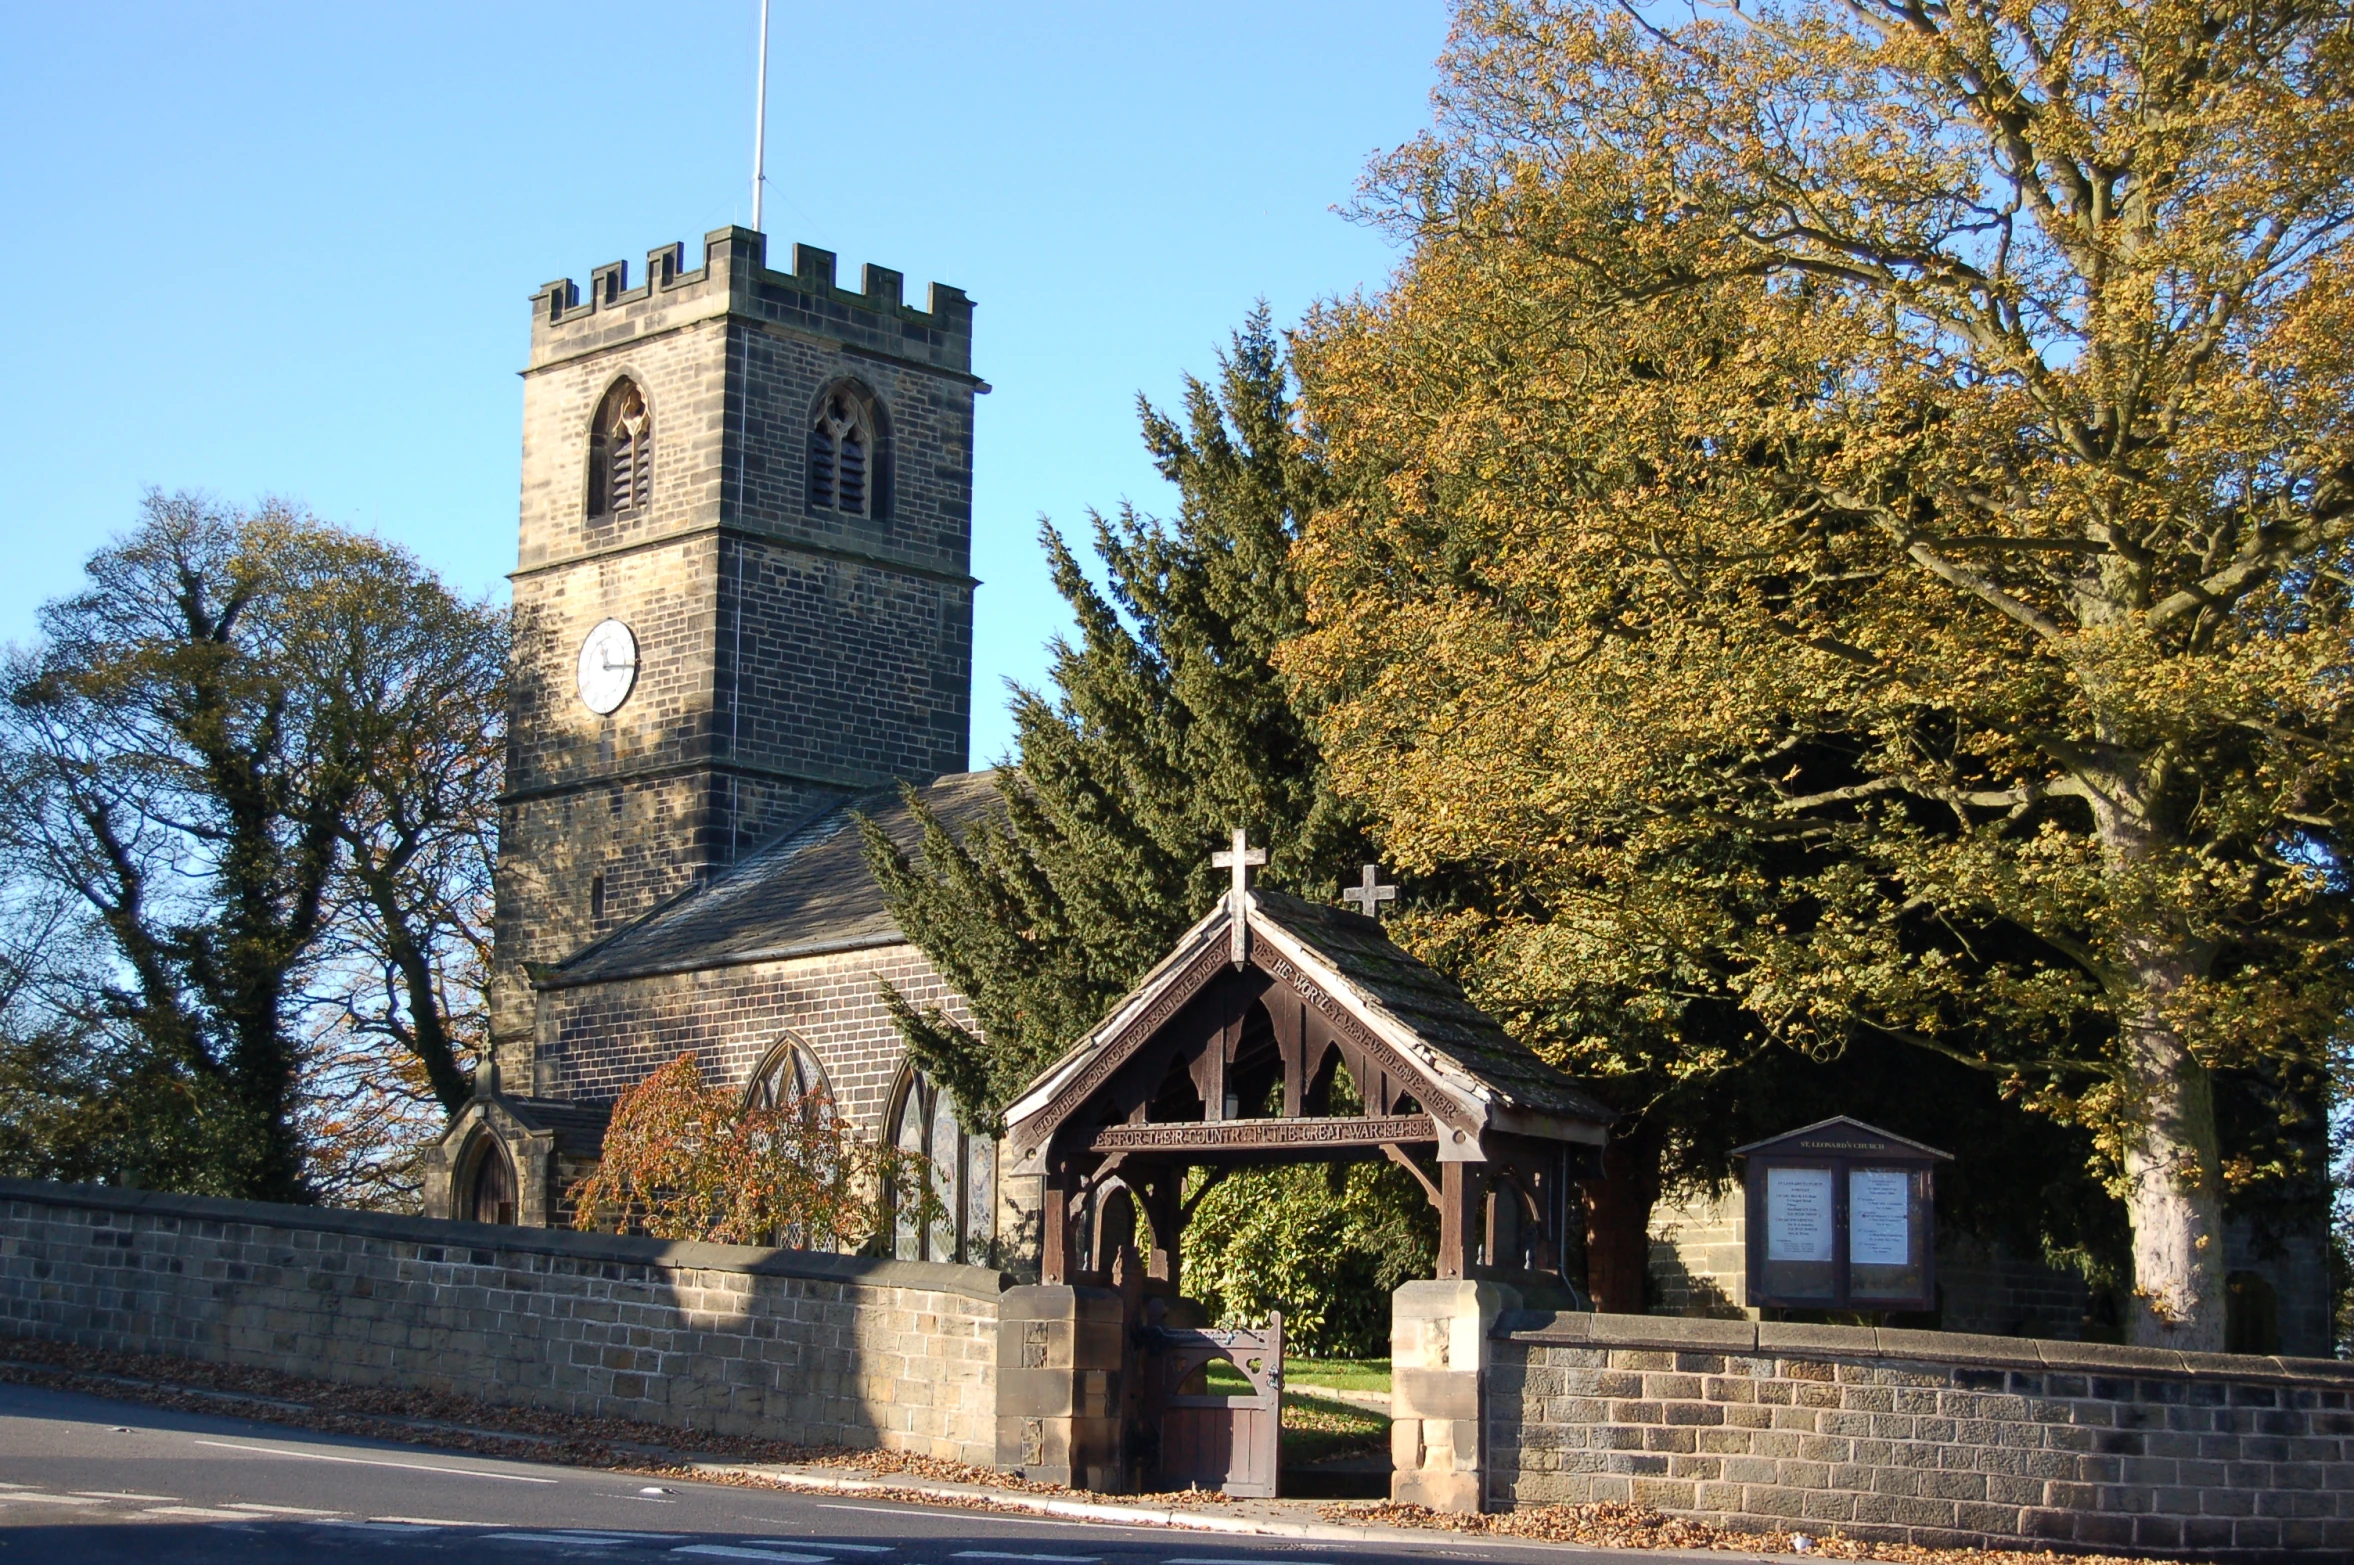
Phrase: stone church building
(744, 616)
(744, 613)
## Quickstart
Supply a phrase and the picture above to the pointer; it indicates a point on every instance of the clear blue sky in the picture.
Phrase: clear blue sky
(285, 249)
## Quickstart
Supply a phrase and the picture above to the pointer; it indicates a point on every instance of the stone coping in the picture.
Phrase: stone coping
(856, 1271)
(1693, 1334)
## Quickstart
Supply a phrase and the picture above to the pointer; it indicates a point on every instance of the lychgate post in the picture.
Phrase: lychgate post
(1439, 1364)
(1059, 1391)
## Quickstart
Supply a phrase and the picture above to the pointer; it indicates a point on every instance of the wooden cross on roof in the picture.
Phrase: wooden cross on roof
(1242, 858)
(1369, 893)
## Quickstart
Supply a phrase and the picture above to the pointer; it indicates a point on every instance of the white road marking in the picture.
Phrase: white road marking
(33, 1497)
(550, 1537)
(775, 1556)
(125, 1494)
(277, 1510)
(830, 1548)
(428, 1521)
(362, 1461)
(1187, 1560)
(199, 1512)
(1043, 1559)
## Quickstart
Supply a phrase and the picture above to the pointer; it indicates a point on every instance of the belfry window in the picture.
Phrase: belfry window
(963, 1171)
(621, 452)
(842, 456)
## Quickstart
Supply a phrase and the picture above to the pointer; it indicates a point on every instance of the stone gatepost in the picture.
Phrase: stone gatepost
(1058, 1385)
(1439, 1360)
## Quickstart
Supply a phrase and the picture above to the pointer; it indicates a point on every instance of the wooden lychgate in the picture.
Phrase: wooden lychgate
(1281, 1031)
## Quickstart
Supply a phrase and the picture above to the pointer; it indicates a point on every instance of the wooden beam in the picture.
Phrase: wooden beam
(1054, 1258)
(1398, 1155)
(1457, 1192)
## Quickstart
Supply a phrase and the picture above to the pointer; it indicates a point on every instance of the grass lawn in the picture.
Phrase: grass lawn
(1318, 1429)
(1339, 1374)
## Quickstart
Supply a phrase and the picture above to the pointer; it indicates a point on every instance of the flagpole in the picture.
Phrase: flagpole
(760, 124)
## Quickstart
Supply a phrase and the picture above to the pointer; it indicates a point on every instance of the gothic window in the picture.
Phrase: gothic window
(621, 452)
(963, 1171)
(490, 1197)
(789, 1076)
(846, 467)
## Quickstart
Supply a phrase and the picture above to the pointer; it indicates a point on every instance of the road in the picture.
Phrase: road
(89, 1481)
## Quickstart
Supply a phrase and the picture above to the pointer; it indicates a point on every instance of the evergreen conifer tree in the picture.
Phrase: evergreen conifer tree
(1167, 727)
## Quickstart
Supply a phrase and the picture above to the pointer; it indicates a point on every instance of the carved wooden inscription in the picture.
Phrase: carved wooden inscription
(1363, 1036)
(1205, 965)
(1264, 1134)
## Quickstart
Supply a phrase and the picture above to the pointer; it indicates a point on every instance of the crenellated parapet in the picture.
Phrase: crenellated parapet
(736, 280)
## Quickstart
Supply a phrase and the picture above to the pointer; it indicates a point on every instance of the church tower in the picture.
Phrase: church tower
(744, 588)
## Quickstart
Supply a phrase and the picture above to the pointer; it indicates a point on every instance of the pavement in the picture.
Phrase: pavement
(87, 1480)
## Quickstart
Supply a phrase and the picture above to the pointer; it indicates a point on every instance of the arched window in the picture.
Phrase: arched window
(789, 1075)
(847, 471)
(621, 452)
(789, 1078)
(490, 1192)
(964, 1178)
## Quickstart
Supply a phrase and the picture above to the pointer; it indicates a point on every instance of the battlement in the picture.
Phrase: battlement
(735, 279)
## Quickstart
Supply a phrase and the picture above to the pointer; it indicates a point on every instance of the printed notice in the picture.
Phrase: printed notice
(1798, 1214)
(1879, 1217)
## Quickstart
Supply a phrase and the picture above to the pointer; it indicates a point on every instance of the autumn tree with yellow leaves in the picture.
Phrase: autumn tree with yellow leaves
(1845, 518)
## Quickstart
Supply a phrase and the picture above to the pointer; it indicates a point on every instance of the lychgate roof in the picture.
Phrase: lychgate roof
(1341, 962)
(1427, 1003)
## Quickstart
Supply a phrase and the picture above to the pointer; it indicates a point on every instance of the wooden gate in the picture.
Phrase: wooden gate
(1210, 1430)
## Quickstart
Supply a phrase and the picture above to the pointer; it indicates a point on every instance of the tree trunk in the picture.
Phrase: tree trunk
(2170, 1144)
(1618, 1219)
(2173, 1185)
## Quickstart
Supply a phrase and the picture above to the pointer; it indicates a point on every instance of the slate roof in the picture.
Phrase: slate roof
(804, 892)
(579, 1127)
(1429, 1004)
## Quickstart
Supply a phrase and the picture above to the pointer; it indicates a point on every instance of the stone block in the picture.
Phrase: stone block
(1439, 1491)
(1671, 1333)
(1435, 1393)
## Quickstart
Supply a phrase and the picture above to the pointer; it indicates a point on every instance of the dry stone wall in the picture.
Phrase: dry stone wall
(774, 1343)
(1927, 1437)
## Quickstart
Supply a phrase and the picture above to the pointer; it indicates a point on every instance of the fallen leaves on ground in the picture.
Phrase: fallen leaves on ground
(1615, 1525)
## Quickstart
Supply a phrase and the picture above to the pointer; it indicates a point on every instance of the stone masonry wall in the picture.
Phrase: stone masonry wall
(776, 1343)
(599, 1040)
(1927, 1437)
(788, 654)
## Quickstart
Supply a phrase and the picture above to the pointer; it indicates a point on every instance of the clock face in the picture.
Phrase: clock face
(608, 666)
